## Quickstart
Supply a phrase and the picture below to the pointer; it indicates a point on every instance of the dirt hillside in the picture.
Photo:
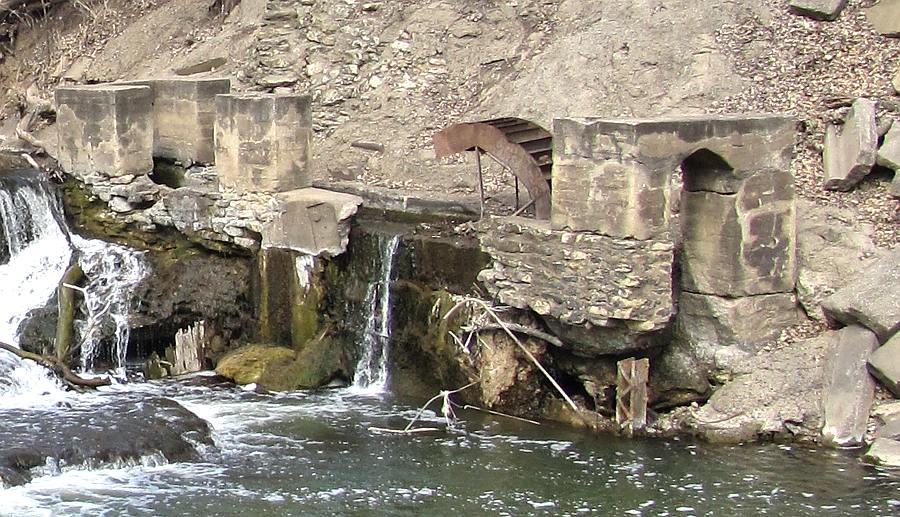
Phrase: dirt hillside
(395, 72)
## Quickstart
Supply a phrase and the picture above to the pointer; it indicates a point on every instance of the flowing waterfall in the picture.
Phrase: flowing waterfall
(35, 251)
(113, 272)
(371, 370)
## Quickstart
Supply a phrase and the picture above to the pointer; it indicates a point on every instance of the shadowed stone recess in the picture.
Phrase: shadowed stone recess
(184, 112)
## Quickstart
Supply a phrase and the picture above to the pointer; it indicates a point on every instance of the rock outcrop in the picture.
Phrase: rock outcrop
(884, 364)
(850, 150)
(818, 9)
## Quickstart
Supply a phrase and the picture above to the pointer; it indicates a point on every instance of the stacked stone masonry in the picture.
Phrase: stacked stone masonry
(616, 185)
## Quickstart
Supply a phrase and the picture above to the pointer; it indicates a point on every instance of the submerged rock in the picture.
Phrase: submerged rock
(111, 431)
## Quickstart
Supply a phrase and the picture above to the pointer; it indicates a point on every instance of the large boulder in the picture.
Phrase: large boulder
(849, 390)
(884, 364)
(871, 299)
(768, 398)
(850, 151)
(723, 330)
(275, 368)
(818, 9)
(832, 248)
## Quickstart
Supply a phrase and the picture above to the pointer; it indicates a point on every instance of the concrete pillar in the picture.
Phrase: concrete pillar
(184, 112)
(263, 141)
(105, 129)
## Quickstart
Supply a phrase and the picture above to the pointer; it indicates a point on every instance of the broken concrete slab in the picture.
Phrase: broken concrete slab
(885, 17)
(827, 10)
(832, 247)
(884, 452)
(312, 221)
(849, 389)
(885, 364)
(850, 151)
(871, 299)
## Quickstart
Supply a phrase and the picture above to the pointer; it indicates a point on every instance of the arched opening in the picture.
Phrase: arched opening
(705, 170)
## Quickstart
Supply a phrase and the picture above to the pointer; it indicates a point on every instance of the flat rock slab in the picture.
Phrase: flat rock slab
(889, 152)
(884, 364)
(885, 17)
(884, 451)
(818, 9)
(890, 429)
(850, 151)
(849, 389)
(871, 299)
(832, 248)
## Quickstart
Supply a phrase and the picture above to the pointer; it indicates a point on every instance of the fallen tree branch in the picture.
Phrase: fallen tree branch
(505, 326)
(522, 329)
(57, 367)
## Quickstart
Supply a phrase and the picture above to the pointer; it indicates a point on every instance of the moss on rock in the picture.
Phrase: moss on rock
(277, 368)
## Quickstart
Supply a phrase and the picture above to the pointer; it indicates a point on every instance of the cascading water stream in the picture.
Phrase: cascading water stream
(35, 251)
(372, 369)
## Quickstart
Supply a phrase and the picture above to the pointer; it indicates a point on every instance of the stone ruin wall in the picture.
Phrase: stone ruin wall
(109, 134)
(624, 230)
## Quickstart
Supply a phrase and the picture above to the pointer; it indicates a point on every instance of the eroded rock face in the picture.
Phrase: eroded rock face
(80, 434)
(769, 397)
(832, 249)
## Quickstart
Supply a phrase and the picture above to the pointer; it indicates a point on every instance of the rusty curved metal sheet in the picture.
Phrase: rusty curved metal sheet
(461, 137)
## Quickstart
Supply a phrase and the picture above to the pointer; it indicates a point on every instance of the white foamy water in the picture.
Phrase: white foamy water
(371, 377)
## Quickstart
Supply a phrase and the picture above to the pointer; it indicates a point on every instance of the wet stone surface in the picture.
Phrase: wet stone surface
(108, 431)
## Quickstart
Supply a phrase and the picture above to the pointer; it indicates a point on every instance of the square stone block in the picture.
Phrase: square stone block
(263, 141)
(105, 129)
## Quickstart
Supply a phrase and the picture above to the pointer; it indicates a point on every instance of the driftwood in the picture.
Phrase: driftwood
(522, 329)
(34, 107)
(56, 366)
(66, 311)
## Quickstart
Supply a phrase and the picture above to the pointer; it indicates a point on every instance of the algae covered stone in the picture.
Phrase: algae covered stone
(276, 368)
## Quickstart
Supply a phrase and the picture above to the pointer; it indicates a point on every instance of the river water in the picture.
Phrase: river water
(322, 453)
(315, 453)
